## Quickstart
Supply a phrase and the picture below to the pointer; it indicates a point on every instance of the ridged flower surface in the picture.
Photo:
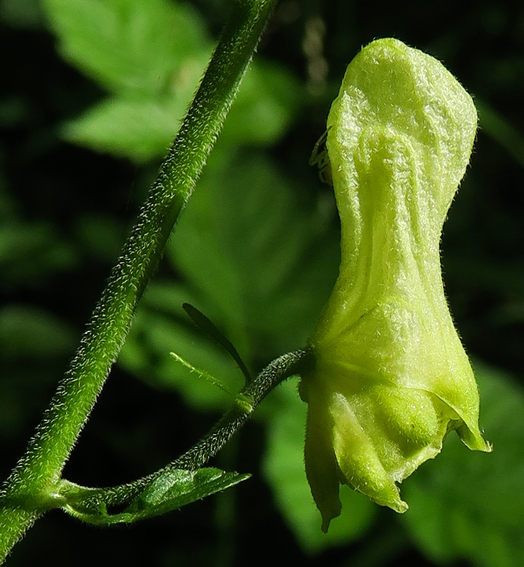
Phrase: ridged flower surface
(390, 376)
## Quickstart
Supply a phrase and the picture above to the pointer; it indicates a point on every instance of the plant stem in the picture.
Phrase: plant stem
(39, 470)
(272, 375)
(83, 498)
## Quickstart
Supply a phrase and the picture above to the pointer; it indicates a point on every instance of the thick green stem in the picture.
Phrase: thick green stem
(40, 468)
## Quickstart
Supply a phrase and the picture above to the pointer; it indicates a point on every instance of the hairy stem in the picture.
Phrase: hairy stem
(197, 456)
(39, 470)
(250, 397)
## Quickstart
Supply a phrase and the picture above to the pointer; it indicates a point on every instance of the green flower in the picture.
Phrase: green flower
(390, 376)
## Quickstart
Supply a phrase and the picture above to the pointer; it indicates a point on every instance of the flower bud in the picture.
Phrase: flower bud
(390, 377)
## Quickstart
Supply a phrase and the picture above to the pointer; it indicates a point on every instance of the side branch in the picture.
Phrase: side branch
(245, 403)
(97, 505)
(37, 475)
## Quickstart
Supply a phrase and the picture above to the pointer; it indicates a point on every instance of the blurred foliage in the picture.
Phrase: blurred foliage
(92, 94)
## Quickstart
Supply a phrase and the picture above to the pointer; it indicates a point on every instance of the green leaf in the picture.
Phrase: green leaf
(216, 334)
(284, 470)
(168, 490)
(268, 100)
(161, 326)
(259, 256)
(150, 54)
(128, 44)
(142, 125)
(27, 331)
(137, 128)
(173, 489)
(472, 505)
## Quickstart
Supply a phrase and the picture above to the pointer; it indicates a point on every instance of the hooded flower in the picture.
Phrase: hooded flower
(390, 376)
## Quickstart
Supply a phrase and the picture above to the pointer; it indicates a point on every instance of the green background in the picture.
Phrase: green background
(91, 94)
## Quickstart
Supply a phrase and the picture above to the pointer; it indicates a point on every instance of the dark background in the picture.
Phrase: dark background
(47, 186)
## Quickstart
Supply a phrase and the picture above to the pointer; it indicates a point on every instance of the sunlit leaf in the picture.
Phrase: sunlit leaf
(127, 44)
(268, 99)
(139, 128)
(260, 257)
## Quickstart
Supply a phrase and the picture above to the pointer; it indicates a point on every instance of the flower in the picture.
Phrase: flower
(390, 376)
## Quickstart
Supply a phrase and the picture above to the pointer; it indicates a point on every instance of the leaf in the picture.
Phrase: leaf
(127, 44)
(148, 53)
(161, 326)
(138, 128)
(168, 490)
(151, 54)
(472, 505)
(27, 332)
(141, 125)
(267, 102)
(261, 259)
(284, 470)
(173, 489)
(216, 334)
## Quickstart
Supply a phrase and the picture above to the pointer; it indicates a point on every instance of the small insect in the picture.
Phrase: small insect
(320, 158)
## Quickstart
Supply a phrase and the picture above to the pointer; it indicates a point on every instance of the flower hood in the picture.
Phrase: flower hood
(390, 376)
